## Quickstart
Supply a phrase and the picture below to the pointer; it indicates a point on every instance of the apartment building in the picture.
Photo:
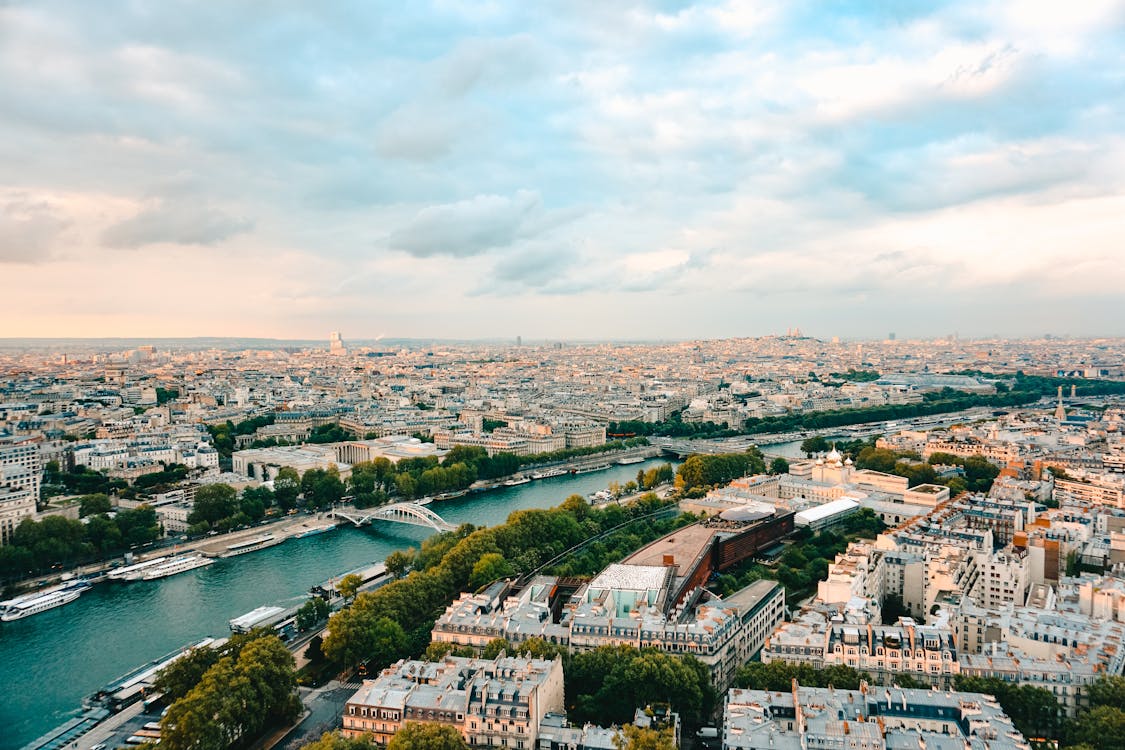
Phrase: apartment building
(20, 464)
(492, 702)
(16, 504)
(624, 605)
(866, 719)
(1107, 490)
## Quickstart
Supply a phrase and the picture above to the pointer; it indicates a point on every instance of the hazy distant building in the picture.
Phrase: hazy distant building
(336, 345)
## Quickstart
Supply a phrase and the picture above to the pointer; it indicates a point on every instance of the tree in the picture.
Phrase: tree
(490, 567)
(349, 585)
(637, 738)
(286, 487)
(336, 741)
(89, 505)
(178, 678)
(103, 533)
(417, 736)
(493, 648)
(311, 612)
(138, 525)
(398, 562)
(213, 502)
(1102, 728)
(607, 684)
(1108, 691)
(779, 466)
(814, 445)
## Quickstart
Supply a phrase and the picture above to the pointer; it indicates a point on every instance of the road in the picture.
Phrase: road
(325, 706)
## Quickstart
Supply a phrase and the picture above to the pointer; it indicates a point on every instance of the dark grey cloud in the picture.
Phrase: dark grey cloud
(28, 229)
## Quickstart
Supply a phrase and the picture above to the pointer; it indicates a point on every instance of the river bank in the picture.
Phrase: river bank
(51, 661)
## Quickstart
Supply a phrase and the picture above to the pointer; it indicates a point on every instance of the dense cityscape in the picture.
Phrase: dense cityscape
(922, 541)
(583, 375)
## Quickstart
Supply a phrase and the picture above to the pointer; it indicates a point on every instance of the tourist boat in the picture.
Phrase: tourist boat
(451, 495)
(134, 572)
(252, 545)
(600, 467)
(177, 565)
(548, 473)
(516, 481)
(630, 460)
(601, 496)
(315, 530)
(32, 604)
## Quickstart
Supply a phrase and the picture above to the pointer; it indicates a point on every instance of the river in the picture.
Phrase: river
(51, 661)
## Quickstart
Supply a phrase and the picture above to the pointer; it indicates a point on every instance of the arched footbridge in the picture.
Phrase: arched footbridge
(410, 513)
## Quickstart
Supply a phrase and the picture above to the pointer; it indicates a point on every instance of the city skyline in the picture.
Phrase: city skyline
(646, 171)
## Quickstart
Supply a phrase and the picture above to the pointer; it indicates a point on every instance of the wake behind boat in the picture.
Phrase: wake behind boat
(314, 530)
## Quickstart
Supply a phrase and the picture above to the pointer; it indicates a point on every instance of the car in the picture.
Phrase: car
(99, 746)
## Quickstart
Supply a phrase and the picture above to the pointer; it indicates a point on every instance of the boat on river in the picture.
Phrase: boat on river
(176, 566)
(252, 545)
(41, 601)
(548, 473)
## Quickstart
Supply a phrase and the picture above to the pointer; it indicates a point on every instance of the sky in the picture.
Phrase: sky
(552, 170)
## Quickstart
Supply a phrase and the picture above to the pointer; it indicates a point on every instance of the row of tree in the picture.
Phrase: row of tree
(221, 697)
(674, 426)
(979, 472)
(374, 482)
(223, 434)
(1023, 390)
(396, 619)
(717, 469)
(77, 481)
(60, 542)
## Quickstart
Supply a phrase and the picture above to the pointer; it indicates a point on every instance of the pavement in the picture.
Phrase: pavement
(324, 711)
(117, 728)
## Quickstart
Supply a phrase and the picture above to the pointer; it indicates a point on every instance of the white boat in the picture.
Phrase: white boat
(548, 473)
(630, 460)
(600, 467)
(134, 572)
(252, 545)
(177, 565)
(313, 531)
(33, 604)
(516, 481)
(424, 501)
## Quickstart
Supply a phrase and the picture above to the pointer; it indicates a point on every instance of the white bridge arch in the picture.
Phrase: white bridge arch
(409, 513)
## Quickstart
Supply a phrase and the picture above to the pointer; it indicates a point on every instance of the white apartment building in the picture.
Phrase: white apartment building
(20, 464)
(496, 703)
(16, 504)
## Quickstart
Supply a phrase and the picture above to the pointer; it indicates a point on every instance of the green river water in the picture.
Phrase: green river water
(50, 661)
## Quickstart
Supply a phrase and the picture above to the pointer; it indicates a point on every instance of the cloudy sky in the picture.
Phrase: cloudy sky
(557, 169)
